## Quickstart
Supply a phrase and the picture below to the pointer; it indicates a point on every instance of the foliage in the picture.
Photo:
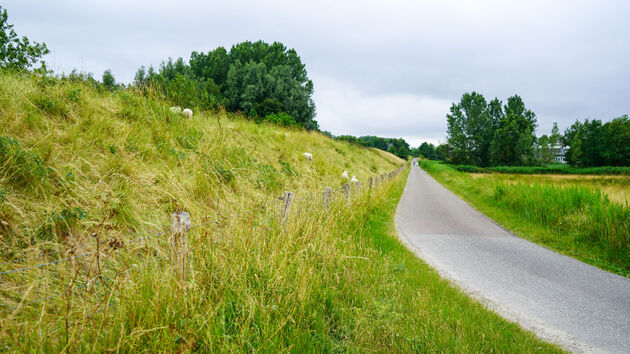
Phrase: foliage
(487, 134)
(259, 79)
(281, 119)
(398, 147)
(554, 169)
(109, 82)
(329, 280)
(574, 219)
(18, 53)
(592, 143)
(428, 151)
(20, 166)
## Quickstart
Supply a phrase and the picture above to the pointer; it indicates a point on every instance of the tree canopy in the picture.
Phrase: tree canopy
(489, 134)
(595, 144)
(259, 79)
(15, 52)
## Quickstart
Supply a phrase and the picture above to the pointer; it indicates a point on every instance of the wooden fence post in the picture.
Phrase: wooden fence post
(286, 205)
(327, 194)
(370, 183)
(346, 189)
(180, 224)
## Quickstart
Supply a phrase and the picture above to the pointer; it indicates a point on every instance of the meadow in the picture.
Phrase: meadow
(553, 169)
(85, 169)
(586, 217)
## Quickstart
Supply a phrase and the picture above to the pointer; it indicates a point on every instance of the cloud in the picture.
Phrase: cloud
(400, 61)
(387, 114)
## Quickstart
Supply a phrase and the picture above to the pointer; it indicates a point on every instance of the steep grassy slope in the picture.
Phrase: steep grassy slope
(127, 162)
(76, 162)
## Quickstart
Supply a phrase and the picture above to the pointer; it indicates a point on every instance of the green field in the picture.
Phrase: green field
(586, 217)
(77, 161)
(555, 169)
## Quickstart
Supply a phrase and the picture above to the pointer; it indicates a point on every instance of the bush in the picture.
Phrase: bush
(282, 119)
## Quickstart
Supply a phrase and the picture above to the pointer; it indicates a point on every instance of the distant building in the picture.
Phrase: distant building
(558, 153)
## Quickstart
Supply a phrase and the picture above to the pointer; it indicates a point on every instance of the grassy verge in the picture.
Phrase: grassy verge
(576, 220)
(551, 169)
(332, 279)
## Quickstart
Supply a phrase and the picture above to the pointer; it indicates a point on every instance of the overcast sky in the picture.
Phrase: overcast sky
(387, 68)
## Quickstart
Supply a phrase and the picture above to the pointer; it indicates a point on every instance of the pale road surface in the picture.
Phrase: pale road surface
(565, 301)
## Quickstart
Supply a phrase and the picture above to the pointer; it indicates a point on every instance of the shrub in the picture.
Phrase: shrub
(20, 166)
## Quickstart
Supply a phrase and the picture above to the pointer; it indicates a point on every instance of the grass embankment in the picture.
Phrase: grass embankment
(556, 169)
(577, 220)
(77, 161)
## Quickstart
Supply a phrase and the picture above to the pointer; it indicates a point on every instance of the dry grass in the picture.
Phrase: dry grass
(118, 164)
(616, 188)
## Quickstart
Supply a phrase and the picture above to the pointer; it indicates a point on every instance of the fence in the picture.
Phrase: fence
(100, 277)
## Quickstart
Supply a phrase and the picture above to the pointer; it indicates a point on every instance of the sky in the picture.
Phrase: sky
(386, 68)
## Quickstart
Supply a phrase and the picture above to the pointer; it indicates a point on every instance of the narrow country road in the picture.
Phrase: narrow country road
(563, 300)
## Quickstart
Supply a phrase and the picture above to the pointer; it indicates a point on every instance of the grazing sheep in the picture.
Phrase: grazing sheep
(187, 112)
(308, 156)
(176, 109)
(344, 175)
(354, 180)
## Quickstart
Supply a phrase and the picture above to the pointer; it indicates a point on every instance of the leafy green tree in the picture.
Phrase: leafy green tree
(109, 82)
(545, 150)
(470, 130)
(18, 53)
(514, 139)
(259, 79)
(428, 151)
(595, 144)
(555, 139)
(617, 145)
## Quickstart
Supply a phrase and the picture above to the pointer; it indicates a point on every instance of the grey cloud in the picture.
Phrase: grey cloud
(567, 59)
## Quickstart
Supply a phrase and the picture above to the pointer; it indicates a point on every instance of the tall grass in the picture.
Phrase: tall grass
(119, 164)
(574, 219)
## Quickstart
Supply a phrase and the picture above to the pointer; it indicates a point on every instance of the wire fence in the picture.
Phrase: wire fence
(100, 256)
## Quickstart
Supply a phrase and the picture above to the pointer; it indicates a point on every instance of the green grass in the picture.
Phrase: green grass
(556, 169)
(79, 161)
(577, 220)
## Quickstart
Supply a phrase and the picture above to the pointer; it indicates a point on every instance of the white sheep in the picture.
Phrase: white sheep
(344, 175)
(308, 156)
(187, 112)
(176, 109)
(354, 180)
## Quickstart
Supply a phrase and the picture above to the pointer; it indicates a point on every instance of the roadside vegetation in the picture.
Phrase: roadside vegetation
(555, 169)
(574, 216)
(82, 166)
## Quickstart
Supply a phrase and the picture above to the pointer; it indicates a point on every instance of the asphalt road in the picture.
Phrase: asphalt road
(561, 299)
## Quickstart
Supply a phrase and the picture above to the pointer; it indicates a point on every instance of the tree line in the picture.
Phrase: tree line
(264, 81)
(594, 143)
(482, 133)
(396, 146)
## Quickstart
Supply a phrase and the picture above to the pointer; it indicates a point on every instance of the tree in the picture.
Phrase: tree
(259, 79)
(595, 144)
(108, 80)
(617, 147)
(470, 130)
(514, 139)
(545, 150)
(18, 53)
